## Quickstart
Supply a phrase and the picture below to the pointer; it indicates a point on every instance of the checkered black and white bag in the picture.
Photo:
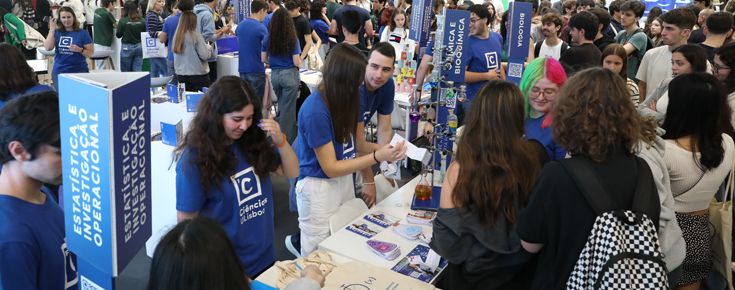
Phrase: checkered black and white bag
(622, 251)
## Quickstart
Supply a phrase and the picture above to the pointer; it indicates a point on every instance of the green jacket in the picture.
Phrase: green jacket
(19, 32)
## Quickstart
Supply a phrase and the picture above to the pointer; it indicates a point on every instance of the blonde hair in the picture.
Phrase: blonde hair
(187, 24)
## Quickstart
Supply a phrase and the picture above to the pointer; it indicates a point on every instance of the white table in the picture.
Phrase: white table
(353, 246)
(270, 276)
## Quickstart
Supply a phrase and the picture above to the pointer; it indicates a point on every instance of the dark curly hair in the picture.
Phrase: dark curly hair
(593, 111)
(316, 10)
(207, 136)
(727, 56)
(282, 39)
(16, 76)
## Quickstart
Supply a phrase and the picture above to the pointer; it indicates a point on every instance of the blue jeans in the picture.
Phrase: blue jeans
(172, 72)
(131, 57)
(55, 77)
(286, 86)
(257, 81)
(158, 67)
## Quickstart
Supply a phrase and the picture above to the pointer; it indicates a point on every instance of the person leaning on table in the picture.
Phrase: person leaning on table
(198, 255)
(73, 45)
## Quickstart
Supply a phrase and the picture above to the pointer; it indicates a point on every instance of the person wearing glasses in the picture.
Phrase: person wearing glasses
(483, 56)
(541, 81)
(722, 70)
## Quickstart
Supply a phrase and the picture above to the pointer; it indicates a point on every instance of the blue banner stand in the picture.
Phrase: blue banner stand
(242, 10)
(519, 32)
(105, 133)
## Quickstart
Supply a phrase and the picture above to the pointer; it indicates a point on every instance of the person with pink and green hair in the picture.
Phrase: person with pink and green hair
(540, 84)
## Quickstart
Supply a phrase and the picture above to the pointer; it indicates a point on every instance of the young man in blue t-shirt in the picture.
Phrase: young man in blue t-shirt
(376, 95)
(250, 34)
(273, 5)
(483, 54)
(33, 253)
(169, 28)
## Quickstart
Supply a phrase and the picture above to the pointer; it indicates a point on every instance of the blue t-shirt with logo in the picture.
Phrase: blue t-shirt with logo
(380, 101)
(280, 62)
(250, 35)
(267, 20)
(244, 207)
(169, 27)
(316, 130)
(482, 55)
(534, 131)
(33, 253)
(65, 60)
(36, 88)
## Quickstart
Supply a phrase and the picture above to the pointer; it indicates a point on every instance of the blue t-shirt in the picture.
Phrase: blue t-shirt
(65, 60)
(321, 29)
(36, 88)
(169, 27)
(267, 21)
(534, 131)
(482, 56)
(316, 130)
(381, 101)
(280, 62)
(244, 208)
(250, 35)
(33, 253)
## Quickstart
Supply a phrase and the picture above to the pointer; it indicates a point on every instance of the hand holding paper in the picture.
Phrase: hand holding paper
(392, 152)
(412, 151)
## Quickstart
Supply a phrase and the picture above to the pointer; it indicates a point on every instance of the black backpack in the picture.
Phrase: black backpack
(537, 48)
(622, 251)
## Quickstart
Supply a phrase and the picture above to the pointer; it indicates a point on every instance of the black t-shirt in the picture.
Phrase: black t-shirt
(303, 27)
(337, 16)
(697, 36)
(580, 57)
(710, 52)
(559, 216)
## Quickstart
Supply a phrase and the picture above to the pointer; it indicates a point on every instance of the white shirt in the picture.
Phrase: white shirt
(398, 38)
(550, 51)
(655, 67)
(663, 103)
(684, 173)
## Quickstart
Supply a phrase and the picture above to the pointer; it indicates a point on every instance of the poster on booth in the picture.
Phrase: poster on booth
(519, 33)
(456, 30)
(420, 29)
(105, 129)
(242, 10)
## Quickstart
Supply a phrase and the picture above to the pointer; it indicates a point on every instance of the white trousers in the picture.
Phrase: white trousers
(318, 199)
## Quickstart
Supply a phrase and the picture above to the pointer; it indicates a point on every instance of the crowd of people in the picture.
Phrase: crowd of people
(632, 103)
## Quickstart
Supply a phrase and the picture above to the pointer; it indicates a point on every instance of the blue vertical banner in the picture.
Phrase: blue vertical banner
(242, 10)
(456, 37)
(105, 133)
(519, 33)
(421, 12)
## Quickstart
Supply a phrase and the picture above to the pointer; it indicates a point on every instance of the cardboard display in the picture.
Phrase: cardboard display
(105, 133)
(519, 33)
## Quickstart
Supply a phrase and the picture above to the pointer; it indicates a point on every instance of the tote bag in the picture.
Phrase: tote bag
(34, 39)
(720, 216)
(152, 47)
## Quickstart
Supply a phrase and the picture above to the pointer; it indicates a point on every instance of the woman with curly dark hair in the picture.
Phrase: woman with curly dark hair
(224, 165)
(595, 121)
(320, 24)
(281, 51)
(16, 76)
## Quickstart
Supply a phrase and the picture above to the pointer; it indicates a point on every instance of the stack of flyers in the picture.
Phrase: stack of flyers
(385, 250)
(382, 219)
(421, 217)
(410, 233)
(421, 263)
(364, 230)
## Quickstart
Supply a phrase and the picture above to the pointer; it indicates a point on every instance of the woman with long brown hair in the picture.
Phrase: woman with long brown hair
(485, 187)
(190, 54)
(327, 145)
(224, 168)
(73, 45)
(594, 121)
(615, 58)
(282, 52)
(129, 29)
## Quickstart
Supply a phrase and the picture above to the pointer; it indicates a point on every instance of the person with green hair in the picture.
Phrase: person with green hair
(541, 82)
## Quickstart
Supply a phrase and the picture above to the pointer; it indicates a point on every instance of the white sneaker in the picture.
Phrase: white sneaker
(293, 244)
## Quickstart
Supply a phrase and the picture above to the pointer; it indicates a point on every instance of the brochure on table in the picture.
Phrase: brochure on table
(105, 133)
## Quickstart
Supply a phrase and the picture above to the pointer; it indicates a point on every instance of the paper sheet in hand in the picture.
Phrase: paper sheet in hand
(413, 152)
